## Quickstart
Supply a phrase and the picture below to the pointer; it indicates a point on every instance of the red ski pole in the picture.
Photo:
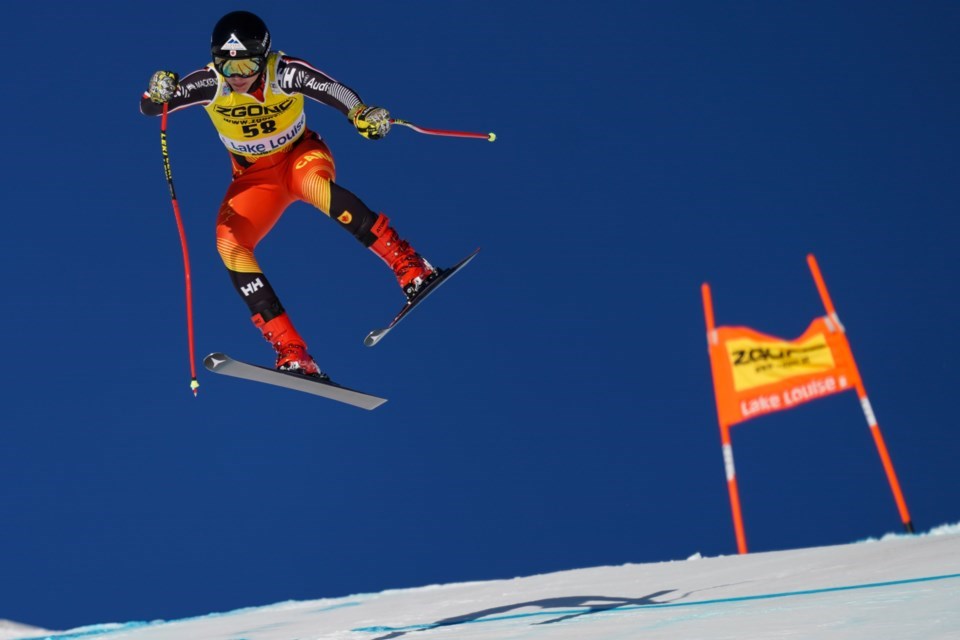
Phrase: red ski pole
(194, 385)
(442, 132)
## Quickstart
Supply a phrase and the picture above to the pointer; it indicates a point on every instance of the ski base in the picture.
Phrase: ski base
(377, 335)
(224, 364)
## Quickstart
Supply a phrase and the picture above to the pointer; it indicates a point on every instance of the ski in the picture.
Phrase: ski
(377, 335)
(224, 364)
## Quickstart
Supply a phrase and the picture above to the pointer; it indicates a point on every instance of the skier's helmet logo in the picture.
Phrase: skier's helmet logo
(240, 34)
(232, 46)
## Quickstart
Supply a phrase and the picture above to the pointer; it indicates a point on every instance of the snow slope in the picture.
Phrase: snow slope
(899, 587)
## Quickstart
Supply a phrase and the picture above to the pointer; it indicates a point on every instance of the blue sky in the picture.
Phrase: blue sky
(551, 409)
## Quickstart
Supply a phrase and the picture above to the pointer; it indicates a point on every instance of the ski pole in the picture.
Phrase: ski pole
(194, 385)
(442, 132)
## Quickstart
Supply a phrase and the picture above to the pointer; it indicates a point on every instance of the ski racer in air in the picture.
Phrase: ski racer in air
(255, 98)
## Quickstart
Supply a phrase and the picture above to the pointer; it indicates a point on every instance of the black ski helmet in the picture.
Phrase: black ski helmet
(240, 34)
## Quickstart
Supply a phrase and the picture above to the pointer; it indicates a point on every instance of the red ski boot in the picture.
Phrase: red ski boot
(411, 269)
(290, 347)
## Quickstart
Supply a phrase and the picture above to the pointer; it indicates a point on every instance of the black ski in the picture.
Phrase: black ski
(377, 335)
(224, 364)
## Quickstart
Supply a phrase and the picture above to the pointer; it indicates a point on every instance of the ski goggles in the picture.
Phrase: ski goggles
(238, 67)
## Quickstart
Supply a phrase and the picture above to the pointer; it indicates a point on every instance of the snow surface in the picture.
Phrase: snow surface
(898, 587)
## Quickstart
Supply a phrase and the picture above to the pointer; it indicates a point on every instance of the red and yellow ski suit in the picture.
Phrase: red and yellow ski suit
(276, 161)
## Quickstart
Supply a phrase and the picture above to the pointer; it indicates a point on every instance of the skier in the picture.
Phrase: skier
(255, 98)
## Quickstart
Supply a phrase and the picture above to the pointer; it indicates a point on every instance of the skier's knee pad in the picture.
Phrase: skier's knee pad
(235, 256)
